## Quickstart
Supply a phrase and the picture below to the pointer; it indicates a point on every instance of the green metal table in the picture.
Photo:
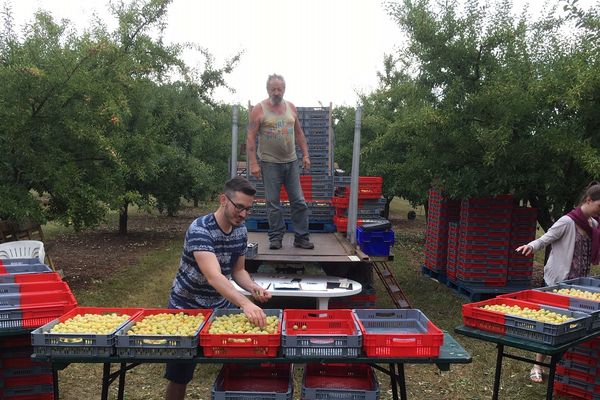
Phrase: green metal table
(450, 353)
(555, 352)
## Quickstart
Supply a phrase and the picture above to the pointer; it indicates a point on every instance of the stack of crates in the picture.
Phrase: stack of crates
(441, 211)
(523, 230)
(30, 299)
(484, 240)
(316, 183)
(578, 373)
(453, 233)
(254, 382)
(370, 202)
(22, 378)
(367, 298)
(315, 123)
(339, 381)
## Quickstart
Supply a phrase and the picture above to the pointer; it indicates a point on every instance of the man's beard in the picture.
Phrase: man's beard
(276, 99)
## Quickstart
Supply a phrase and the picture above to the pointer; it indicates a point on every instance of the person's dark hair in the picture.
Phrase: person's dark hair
(592, 191)
(239, 184)
(275, 76)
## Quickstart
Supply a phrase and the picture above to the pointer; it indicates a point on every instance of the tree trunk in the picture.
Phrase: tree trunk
(123, 218)
(386, 208)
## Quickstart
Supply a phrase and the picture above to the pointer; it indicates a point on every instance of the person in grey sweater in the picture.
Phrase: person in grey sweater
(575, 240)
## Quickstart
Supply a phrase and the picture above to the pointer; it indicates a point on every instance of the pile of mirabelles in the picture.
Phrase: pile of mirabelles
(91, 323)
(239, 323)
(584, 294)
(179, 324)
(541, 315)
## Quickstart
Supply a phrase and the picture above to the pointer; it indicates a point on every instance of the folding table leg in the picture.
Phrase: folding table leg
(105, 381)
(393, 381)
(498, 371)
(552, 371)
(402, 381)
(122, 373)
(55, 381)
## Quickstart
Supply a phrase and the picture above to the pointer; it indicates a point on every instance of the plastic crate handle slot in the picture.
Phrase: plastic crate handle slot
(400, 340)
(320, 315)
(154, 341)
(385, 315)
(70, 340)
(328, 341)
(239, 340)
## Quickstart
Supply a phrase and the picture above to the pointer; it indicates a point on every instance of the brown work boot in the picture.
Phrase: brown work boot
(275, 245)
(304, 244)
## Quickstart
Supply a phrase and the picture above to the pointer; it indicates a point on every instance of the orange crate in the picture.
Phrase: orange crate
(230, 345)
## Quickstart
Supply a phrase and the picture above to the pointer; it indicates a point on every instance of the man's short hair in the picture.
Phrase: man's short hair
(273, 77)
(239, 184)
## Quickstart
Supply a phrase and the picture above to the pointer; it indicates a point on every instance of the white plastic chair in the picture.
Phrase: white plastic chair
(23, 249)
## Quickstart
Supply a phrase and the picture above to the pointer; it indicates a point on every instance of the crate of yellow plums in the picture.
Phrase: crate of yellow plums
(162, 333)
(82, 332)
(228, 333)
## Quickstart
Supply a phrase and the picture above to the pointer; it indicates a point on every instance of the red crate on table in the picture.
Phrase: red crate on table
(243, 345)
(369, 187)
(518, 326)
(322, 333)
(402, 333)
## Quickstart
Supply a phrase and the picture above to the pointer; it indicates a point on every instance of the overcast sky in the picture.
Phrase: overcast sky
(327, 50)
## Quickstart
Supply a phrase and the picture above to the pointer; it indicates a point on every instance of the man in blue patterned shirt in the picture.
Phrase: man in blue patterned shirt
(213, 252)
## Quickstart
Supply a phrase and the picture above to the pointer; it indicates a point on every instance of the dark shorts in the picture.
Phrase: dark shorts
(182, 372)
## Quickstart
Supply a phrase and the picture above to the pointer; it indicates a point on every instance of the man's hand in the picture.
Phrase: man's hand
(255, 170)
(305, 162)
(260, 294)
(255, 314)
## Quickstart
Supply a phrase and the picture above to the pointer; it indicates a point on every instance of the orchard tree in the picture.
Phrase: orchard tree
(482, 103)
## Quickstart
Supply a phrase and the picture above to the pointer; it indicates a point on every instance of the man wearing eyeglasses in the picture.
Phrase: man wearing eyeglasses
(214, 251)
(275, 122)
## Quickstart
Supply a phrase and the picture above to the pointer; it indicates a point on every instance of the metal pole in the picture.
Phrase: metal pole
(353, 207)
(234, 140)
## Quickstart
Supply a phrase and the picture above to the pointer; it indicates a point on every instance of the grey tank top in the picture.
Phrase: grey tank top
(276, 141)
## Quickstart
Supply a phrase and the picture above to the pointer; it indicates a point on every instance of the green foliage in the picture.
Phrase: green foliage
(481, 102)
(99, 120)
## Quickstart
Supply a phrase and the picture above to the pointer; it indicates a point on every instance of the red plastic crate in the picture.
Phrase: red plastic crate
(34, 287)
(573, 392)
(246, 382)
(33, 277)
(339, 381)
(403, 333)
(513, 325)
(231, 345)
(16, 381)
(320, 333)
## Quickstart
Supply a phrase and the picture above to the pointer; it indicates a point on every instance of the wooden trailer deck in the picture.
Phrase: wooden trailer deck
(329, 247)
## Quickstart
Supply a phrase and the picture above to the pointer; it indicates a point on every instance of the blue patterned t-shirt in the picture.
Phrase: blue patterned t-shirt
(190, 288)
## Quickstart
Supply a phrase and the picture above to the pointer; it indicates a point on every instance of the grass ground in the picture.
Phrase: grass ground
(147, 283)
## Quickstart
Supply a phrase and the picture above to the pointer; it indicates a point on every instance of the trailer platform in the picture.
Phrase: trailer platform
(329, 247)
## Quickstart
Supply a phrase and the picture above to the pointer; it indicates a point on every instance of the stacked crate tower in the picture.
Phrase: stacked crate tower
(441, 212)
(471, 243)
(578, 373)
(316, 183)
(483, 243)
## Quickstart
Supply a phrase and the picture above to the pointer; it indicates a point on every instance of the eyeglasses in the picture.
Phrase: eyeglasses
(239, 208)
